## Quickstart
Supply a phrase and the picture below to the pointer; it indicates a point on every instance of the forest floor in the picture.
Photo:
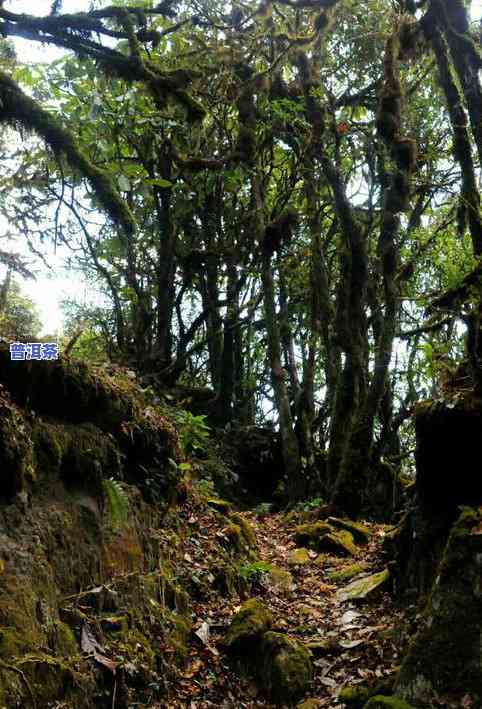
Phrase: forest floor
(356, 642)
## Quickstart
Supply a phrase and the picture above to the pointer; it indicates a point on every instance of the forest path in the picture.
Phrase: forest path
(355, 642)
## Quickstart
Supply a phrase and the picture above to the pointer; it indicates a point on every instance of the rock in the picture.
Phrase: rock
(380, 702)
(281, 665)
(310, 534)
(362, 588)
(444, 656)
(247, 628)
(286, 668)
(360, 533)
(346, 573)
(337, 542)
(298, 557)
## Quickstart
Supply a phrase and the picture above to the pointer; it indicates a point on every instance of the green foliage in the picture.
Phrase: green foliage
(312, 504)
(20, 319)
(205, 488)
(253, 572)
(116, 502)
(193, 432)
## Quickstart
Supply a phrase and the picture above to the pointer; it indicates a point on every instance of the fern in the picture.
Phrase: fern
(117, 502)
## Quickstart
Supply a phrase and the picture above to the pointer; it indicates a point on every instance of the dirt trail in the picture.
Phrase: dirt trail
(355, 642)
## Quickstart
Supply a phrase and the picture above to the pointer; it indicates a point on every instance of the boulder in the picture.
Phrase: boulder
(245, 633)
(338, 542)
(281, 665)
(286, 668)
(310, 534)
(360, 533)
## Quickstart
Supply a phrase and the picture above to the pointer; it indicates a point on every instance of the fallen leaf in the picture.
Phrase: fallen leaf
(203, 633)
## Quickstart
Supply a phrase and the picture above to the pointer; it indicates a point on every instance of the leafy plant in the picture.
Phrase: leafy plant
(193, 432)
(254, 572)
(312, 504)
(205, 487)
(117, 502)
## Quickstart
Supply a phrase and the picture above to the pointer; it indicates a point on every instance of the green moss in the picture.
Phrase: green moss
(299, 557)
(309, 704)
(49, 677)
(346, 573)
(380, 702)
(360, 533)
(247, 628)
(286, 667)
(234, 537)
(228, 580)
(354, 696)
(136, 646)
(180, 627)
(310, 534)
(12, 643)
(247, 531)
(339, 542)
(63, 640)
(49, 445)
(219, 505)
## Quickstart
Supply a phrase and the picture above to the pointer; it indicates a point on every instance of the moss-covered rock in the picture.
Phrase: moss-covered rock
(361, 589)
(286, 667)
(299, 557)
(339, 542)
(324, 537)
(310, 534)
(380, 702)
(247, 628)
(444, 656)
(354, 696)
(247, 531)
(360, 533)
